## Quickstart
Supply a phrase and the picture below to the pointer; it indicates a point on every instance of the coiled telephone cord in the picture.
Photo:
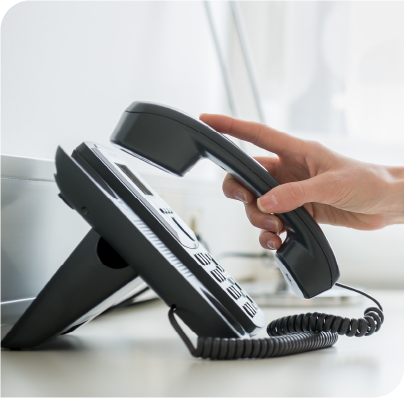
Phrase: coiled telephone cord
(288, 335)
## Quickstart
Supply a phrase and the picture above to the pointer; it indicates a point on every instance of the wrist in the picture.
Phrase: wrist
(396, 195)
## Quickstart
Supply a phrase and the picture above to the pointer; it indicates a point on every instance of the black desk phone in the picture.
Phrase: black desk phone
(135, 234)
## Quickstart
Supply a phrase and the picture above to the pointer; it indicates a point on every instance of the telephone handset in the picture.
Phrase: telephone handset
(175, 141)
(135, 234)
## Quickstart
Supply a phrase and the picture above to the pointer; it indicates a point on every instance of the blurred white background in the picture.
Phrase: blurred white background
(331, 71)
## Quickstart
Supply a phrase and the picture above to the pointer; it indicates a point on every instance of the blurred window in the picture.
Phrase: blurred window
(329, 70)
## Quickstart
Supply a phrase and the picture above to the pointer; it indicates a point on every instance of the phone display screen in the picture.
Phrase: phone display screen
(134, 179)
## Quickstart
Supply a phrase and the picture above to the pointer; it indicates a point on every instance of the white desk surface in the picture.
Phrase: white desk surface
(135, 352)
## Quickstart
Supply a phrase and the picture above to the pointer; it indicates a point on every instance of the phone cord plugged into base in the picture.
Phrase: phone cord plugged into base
(288, 335)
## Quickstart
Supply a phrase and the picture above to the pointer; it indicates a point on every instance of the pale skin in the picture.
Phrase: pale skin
(335, 189)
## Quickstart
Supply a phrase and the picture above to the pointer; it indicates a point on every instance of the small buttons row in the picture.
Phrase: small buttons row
(249, 309)
(234, 292)
(205, 259)
(166, 211)
(218, 275)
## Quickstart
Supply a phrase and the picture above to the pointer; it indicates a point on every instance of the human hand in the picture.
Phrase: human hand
(335, 189)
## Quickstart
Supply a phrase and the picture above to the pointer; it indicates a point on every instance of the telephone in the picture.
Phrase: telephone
(135, 234)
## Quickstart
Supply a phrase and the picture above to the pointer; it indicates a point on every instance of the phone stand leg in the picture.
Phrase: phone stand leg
(93, 278)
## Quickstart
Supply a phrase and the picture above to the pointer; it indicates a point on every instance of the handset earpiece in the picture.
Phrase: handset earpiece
(174, 141)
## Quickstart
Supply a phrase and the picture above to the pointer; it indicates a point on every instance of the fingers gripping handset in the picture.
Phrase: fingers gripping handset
(174, 141)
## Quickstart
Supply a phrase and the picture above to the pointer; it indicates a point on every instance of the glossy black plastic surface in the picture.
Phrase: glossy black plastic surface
(174, 141)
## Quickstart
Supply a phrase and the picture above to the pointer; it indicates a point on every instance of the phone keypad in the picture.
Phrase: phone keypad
(202, 259)
(249, 309)
(234, 292)
(218, 275)
(232, 288)
(166, 211)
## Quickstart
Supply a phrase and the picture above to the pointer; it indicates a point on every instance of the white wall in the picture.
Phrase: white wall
(69, 69)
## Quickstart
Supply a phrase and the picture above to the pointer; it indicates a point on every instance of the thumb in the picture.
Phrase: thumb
(290, 196)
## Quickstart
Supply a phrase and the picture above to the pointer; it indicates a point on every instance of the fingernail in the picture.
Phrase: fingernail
(242, 197)
(267, 202)
(271, 225)
(271, 245)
